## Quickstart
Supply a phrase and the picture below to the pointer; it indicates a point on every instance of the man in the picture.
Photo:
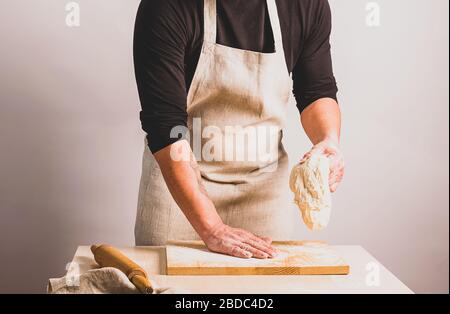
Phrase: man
(224, 67)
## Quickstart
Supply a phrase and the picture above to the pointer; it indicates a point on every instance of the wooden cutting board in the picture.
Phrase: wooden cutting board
(294, 258)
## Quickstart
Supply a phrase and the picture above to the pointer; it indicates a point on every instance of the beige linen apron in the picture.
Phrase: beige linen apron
(232, 90)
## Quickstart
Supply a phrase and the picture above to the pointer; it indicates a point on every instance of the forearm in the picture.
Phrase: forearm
(183, 179)
(322, 121)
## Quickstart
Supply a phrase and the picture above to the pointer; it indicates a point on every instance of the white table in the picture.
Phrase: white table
(366, 276)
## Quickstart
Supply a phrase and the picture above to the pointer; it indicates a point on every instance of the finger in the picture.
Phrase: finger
(305, 157)
(330, 151)
(268, 240)
(333, 179)
(316, 150)
(258, 242)
(236, 251)
(331, 182)
(336, 171)
(255, 252)
(333, 188)
(309, 154)
(243, 234)
(336, 179)
(257, 237)
(336, 162)
(261, 246)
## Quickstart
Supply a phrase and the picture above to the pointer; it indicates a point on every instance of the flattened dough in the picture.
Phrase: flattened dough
(309, 182)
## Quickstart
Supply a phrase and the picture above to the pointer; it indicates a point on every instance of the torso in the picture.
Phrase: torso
(169, 37)
(234, 29)
(239, 89)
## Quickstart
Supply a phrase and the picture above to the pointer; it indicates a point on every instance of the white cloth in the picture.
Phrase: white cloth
(106, 280)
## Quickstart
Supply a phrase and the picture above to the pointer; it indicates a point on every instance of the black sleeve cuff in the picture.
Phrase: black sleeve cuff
(163, 131)
(306, 99)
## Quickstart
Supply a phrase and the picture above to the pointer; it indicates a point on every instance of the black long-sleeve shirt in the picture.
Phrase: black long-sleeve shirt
(168, 39)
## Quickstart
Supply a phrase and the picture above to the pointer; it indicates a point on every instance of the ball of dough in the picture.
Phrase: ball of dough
(309, 182)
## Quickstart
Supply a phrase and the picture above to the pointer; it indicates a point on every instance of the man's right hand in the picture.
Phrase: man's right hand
(239, 243)
(184, 180)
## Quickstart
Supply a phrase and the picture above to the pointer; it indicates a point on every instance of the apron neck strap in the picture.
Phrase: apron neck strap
(275, 23)
(210, 22)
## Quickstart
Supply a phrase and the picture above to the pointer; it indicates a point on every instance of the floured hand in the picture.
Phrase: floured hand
(331, 150)
(239, 243)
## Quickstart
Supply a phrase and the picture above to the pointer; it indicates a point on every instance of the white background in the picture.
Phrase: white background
(71, 144)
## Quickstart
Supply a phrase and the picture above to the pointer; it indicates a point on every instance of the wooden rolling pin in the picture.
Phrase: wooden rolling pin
(108, 256)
